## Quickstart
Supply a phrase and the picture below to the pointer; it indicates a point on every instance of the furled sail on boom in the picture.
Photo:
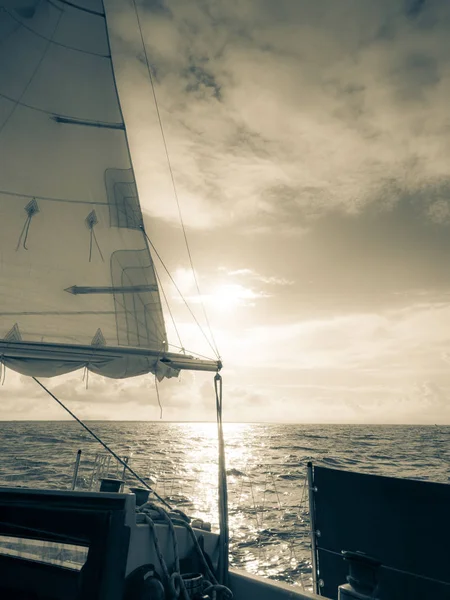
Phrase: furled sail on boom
(77, 281)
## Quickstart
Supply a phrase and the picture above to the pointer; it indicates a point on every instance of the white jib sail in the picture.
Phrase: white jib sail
(76, 276)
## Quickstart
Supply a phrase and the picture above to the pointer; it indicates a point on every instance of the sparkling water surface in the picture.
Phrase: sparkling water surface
(268, 503)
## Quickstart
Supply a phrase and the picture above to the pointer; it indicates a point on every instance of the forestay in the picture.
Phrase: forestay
(75, 267)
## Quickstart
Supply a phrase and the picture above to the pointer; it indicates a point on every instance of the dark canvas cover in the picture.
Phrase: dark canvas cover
(403, 523)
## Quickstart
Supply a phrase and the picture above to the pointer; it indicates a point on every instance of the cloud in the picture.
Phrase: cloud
(278, 114)
(271, 280)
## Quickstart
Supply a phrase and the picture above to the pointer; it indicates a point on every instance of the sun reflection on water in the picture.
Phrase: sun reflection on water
(264, 512)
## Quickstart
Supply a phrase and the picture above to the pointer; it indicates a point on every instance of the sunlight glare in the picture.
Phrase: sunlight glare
(227, 297)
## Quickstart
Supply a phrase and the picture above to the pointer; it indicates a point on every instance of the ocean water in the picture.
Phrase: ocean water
(268, 503)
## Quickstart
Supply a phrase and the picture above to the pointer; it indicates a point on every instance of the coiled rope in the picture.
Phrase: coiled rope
(174, 581)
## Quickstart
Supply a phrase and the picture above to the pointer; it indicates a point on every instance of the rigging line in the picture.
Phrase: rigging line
(173, 180)
(39, 35)
(181, 295)
(24, 91)
(106, 125)
(168, 308)
(105, 446)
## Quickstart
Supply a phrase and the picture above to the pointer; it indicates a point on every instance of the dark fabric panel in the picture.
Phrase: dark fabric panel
(401, 522)
(93, 520)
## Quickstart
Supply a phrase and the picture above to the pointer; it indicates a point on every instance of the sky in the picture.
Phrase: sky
(310, 147)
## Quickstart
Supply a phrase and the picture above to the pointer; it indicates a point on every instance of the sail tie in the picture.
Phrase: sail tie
(91, 221)
(157, 395)
(31, 209)
(86, 375)
(2, 369)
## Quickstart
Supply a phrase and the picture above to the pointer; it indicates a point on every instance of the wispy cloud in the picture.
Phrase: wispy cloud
(250, 274)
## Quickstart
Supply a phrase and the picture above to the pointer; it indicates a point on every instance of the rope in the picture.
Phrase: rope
(25, 230)
(205, 564)
(94, 237)
(173, 178)
(95, 436)
(169, 579)
(223, 492)
(175, 579)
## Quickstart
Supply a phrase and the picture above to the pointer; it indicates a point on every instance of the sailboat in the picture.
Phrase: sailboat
(79, 289)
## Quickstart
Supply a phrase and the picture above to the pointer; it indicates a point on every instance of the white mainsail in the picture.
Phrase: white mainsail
(77, 281)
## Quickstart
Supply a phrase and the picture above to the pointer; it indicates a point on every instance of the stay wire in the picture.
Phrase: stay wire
(216, 350)
(168, 308)
(105, 446)
(181, 295)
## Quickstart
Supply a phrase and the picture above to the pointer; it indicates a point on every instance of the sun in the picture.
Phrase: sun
(228, 297)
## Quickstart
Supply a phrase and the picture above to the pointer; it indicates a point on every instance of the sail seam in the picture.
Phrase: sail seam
(126, 312)
(39, 35)
(127, 327)
(24, 91)
(57, 312)
(53, 114)
(45, 198)
(82, 8)
(160, 334)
